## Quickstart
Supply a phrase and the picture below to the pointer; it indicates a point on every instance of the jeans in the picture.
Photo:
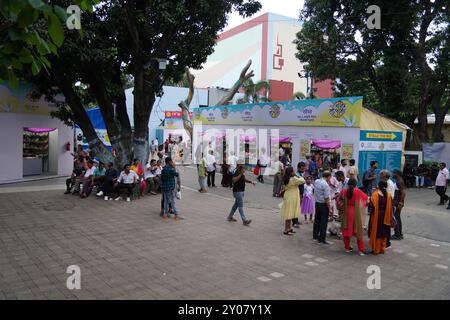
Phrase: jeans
(238, 204)
(420, 180)
(440, 190)
(169, 199)
(212, 178)
(320, 222)
(398, 227)
(202, 182)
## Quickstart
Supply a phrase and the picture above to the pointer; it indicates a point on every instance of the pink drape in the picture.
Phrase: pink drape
(326, 144)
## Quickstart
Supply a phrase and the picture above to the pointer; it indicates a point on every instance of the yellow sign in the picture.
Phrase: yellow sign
(386, 136)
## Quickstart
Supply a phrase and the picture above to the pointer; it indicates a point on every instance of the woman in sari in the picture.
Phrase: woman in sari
(352, 202)
(290, 207)
(380, 210)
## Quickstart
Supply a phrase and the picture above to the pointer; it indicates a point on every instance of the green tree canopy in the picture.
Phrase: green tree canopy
(401, 69)
(123, 39)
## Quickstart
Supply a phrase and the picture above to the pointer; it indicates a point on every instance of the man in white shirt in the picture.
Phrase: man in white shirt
(263, 162)
(152, 180)
(211, 168)
(385, 175)
(232, 161)
(85, 180)
(127, 180)
(441, 183)
(352, 171)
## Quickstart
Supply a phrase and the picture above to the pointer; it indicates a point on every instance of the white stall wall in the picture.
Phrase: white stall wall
(11, 143)
(345, 135)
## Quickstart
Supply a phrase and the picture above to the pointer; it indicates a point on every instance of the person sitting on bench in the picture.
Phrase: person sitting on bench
(127, 180)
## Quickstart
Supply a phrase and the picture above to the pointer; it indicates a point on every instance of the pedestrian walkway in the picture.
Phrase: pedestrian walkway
(126, 251)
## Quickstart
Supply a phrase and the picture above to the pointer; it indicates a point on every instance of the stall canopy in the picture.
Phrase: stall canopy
(326, 144)
(373, 120)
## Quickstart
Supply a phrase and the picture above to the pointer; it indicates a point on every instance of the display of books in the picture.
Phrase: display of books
(35, 144)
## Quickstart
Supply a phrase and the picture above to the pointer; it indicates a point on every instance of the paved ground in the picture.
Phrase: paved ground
(125, 251)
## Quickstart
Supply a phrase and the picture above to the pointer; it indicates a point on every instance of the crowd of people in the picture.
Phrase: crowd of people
(158, 176)
(334, 198)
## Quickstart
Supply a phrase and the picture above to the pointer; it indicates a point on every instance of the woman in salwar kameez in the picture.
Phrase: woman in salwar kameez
(353, 203)
(380, 210)
(290, 207)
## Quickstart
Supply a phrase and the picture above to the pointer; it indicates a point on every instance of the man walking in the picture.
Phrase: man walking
(168, 188)
(323, 207)
(441, 183)
(239, 182)
(211, 168)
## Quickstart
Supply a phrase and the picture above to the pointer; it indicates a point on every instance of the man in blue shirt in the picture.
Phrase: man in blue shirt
(168, 184)
(370, 178)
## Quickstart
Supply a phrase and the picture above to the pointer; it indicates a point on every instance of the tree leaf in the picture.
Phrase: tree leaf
(35, 67)
(52, 48)
(37, 4)
(55, 29)
(62, 14)
(25, 56)
(27, 16)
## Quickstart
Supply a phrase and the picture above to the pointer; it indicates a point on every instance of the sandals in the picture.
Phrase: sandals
(289, 232)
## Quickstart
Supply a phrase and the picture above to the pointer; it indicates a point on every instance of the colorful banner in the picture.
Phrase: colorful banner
(20, 101)
(101, 133)
(176, 114)
(305, 148)
(382, 146)
(333, 112)
(347, 151)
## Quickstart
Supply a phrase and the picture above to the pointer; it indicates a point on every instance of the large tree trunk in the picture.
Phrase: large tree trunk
(425, 71)
(120, 139)
(143, 103)
(81, 118)
(439, 112)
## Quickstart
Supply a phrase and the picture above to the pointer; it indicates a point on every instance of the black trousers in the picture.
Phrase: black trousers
(128, 186)
(441, 192)
(211, 178)
(398, 227)
(69, 183)
(320, 222)
(107, 187)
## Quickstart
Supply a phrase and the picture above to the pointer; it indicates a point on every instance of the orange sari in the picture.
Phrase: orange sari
(378, 245)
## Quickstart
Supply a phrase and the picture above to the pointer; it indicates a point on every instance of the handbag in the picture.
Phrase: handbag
(178, 195)
(256, 170)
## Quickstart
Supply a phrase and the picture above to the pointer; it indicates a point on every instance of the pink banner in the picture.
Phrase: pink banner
(326, 144)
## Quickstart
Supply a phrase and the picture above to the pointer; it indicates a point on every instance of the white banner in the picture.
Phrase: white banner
(380, 146)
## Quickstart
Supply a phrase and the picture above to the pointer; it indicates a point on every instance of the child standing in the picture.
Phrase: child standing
(307, 207)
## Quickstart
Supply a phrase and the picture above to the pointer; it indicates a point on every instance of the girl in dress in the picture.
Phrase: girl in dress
(307, 207)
